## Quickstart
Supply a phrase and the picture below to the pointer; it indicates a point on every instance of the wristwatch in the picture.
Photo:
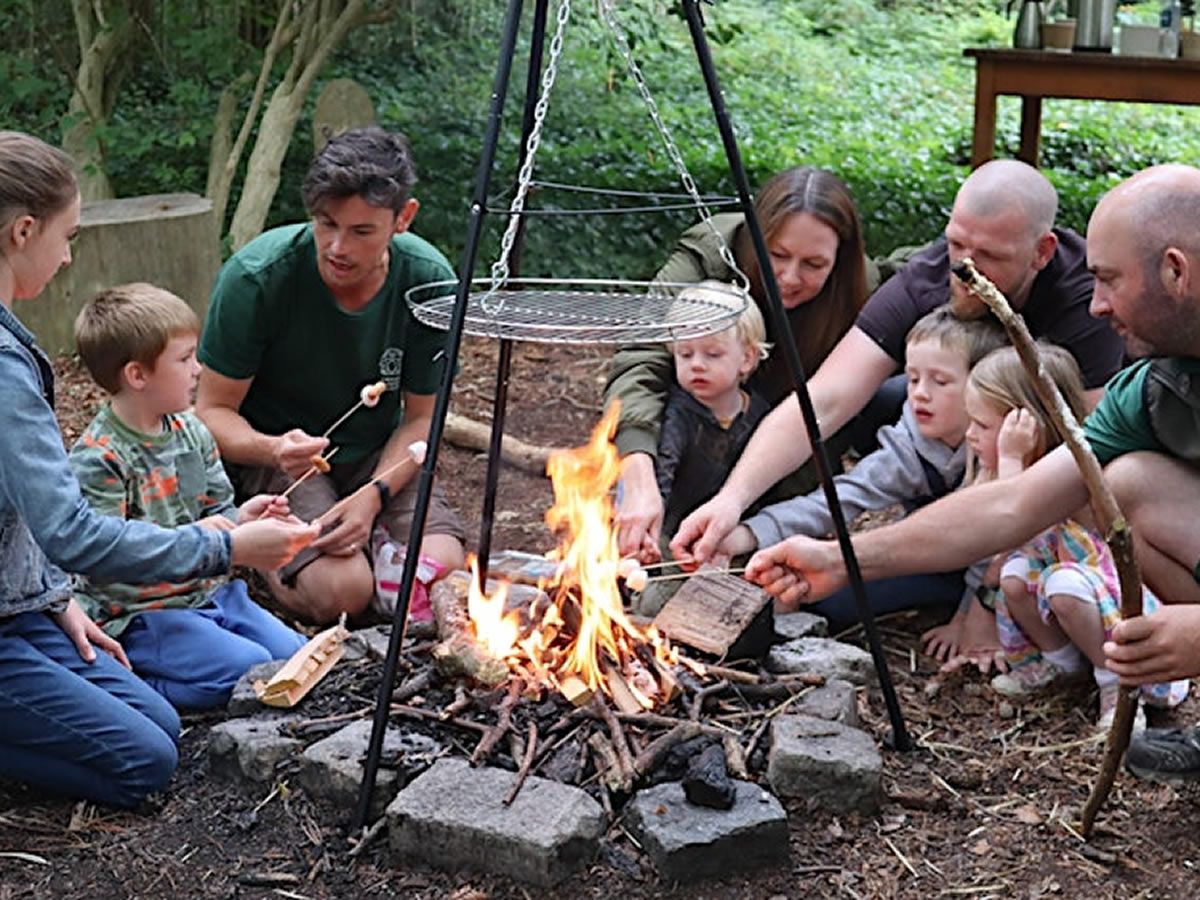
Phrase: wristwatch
(385, 493)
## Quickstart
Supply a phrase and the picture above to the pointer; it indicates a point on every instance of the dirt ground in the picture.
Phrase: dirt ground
(985, 807)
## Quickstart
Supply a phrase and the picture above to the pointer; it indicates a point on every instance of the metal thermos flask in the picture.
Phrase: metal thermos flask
(1094, 25)
(1028, 33)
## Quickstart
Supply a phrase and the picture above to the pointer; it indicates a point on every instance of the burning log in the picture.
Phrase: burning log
(458, 653)
(721, 614)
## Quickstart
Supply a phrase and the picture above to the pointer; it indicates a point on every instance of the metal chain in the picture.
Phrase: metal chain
(689, 184)
(500, 271)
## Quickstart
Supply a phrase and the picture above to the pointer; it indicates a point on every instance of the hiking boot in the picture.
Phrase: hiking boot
(1108, 709)
(1165, 755)
(1033, 677)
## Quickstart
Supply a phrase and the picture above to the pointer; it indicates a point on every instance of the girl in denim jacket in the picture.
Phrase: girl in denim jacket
(76, 721)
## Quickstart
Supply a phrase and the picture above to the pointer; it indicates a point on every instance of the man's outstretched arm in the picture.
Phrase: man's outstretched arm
(950, 534)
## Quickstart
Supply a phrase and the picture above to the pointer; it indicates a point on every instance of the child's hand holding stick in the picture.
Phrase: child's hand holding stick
(1114, 526)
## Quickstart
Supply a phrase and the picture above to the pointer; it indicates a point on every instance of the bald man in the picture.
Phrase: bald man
(1144, 250)
(1003, 218)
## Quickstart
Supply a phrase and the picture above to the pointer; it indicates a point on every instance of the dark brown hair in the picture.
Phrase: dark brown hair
(821, 322)
(374, 164)
(35, 179)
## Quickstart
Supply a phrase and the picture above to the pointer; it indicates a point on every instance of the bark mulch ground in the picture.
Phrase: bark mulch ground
(985, 807)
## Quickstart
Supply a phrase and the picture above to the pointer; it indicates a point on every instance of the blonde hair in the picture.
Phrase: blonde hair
(750, 329)
(973, 338)
(1001, 380)
(129, 323)
(35, 179)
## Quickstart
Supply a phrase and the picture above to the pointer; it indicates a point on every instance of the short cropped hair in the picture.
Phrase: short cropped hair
(974, 338)
(129, 323)
(371, 163)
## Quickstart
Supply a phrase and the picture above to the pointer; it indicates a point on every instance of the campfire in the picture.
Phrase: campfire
(572, 634)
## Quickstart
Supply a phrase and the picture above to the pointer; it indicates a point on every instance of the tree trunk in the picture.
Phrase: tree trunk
(320, 29)
(106, 33)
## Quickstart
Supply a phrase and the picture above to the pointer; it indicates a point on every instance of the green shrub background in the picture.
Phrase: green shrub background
(878, 91)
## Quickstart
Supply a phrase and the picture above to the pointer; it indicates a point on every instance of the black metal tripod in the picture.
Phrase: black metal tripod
(692, 12)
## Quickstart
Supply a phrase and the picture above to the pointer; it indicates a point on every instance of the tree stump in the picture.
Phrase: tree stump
(169, 240)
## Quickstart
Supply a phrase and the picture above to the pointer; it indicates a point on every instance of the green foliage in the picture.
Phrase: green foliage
(878, 91)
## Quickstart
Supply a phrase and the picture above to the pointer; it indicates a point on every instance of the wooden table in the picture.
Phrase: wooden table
(1034, 74)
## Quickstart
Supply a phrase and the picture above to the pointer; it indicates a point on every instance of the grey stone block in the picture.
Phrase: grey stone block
(248, 750)
(687, 842)
(452, 817)
(243, 701)
(823, 656)
(333, 767)
(371, 642)
(790, 626)
(826, 763)
(835, 701)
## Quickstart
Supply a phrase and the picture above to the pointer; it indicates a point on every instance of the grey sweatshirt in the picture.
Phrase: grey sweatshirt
(892, 474)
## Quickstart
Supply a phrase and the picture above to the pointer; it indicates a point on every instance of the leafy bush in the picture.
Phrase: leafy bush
(877, 91)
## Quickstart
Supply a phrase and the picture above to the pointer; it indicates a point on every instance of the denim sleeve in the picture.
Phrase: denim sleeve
(36, 481)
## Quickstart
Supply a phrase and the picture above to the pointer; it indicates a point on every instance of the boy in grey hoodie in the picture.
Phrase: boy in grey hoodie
(920, 458)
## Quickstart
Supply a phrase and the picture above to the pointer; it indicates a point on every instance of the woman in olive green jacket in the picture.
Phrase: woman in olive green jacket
(814, 237)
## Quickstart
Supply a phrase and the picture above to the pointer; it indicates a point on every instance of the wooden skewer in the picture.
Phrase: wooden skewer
(351, 411)
(408, 458)
(666, 564)
(311, 471)
(677, 575)
(344, 416)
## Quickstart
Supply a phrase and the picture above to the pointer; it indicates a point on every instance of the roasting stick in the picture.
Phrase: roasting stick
(368, 396)
(675, 576)
(312, 470)
(1116, 529)
(415, 456)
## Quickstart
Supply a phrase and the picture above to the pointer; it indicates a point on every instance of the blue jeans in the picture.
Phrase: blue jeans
(891, 595)
(194, 657)
(90, 730)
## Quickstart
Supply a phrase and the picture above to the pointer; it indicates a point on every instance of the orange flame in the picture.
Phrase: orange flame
(586, 600)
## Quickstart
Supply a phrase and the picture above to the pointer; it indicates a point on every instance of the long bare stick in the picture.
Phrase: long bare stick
(1116, 528)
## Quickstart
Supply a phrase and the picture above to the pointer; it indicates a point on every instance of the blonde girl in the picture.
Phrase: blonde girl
(1059, 596)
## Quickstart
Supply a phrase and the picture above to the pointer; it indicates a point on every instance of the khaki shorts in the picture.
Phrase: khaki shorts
(319, 492)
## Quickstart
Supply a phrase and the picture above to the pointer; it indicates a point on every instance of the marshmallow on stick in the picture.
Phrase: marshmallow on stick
(318, 464)
(369, 396)
(415, 456)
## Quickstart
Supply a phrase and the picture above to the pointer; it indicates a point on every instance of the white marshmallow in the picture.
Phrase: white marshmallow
(636, 580)
(417, 450)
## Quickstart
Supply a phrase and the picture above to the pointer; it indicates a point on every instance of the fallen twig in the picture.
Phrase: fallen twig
(492, 736)
(413, 712)
(619, 742)
(368, 836)
(526, 764)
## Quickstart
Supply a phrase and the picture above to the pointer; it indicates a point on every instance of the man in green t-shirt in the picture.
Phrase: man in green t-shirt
(1143, 248)
(302, 319)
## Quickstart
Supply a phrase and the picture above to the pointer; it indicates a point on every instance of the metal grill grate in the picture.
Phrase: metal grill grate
(582, 311)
